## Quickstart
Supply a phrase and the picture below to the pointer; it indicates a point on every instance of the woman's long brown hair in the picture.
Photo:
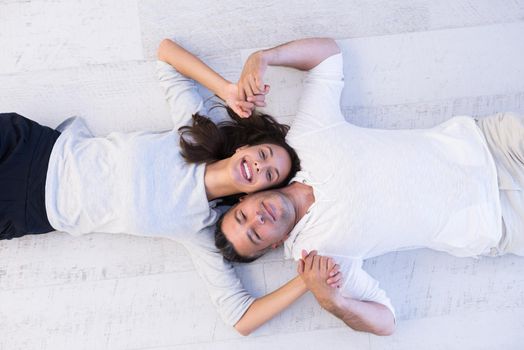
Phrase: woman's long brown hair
(207, 142)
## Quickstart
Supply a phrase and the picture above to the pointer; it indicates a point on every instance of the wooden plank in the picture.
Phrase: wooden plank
(38, 35)
(210, 28)
(469, 331)
(111, 97)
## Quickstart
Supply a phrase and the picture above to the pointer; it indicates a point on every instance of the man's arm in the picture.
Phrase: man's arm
(303, 54)
(192, 67)
(365, 316)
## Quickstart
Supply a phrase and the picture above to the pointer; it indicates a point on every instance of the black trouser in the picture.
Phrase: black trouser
(25, 147)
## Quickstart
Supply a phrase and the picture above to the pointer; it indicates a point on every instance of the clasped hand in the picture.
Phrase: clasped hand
(250, 91)
(321, 275)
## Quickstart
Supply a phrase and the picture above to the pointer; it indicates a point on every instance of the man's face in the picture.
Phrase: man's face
(259, 221)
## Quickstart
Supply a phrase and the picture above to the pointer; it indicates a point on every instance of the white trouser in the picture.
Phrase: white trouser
(504, 134)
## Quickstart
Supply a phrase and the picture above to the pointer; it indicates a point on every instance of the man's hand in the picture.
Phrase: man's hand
(319, 273)
(366, 316)
(251, 87)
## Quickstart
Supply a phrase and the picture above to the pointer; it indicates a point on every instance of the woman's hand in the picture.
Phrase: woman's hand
(251, 87)
(241, 107)
(192, 67)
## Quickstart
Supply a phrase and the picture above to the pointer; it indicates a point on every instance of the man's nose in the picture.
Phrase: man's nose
(259, 218)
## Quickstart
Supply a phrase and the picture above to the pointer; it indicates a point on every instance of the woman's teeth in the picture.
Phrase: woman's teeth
(247, 170)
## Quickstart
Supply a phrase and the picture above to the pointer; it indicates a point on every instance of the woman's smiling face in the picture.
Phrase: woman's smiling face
(258, 167)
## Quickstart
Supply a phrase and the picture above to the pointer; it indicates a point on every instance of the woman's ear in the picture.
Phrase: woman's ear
(241, 148)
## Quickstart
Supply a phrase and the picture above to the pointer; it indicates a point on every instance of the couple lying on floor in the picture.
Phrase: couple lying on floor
(332, 193)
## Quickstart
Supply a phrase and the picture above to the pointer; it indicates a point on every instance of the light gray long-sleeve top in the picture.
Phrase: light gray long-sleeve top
(138, 183)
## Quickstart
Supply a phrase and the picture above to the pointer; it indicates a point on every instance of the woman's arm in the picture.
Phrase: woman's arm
(303, 54)
(265, 308)
(192, 67)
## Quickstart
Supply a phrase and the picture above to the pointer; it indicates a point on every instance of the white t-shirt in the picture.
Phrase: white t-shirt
(386, 190)
(138, 183)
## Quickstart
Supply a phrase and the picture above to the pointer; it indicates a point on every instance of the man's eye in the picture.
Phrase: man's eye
(242, 215)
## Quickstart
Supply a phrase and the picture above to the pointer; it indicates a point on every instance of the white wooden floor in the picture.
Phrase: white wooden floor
(410, 63)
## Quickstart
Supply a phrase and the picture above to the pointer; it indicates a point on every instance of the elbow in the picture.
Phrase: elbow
(162, 48)
(386, 329)
(334, 46)
(330, 46)
(383, 330)
(243, 330)
(245, 326)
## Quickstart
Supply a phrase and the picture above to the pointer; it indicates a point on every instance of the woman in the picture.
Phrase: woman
(142, 182)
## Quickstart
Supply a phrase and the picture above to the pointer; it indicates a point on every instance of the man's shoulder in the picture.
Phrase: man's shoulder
(304, 237)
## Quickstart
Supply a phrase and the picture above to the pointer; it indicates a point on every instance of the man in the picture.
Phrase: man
(364, 192)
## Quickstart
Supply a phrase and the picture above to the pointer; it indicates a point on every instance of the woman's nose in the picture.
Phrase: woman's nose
(257, 167)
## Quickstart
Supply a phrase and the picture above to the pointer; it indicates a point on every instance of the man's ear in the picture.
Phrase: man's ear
(241, 148)
(278, 244)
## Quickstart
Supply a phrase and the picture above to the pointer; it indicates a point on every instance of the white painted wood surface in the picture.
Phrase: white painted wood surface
(419, 62)
(56, 34)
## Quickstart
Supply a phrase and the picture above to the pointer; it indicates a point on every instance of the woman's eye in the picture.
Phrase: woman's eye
(262, 155)
(269, 176)
(242, 215)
